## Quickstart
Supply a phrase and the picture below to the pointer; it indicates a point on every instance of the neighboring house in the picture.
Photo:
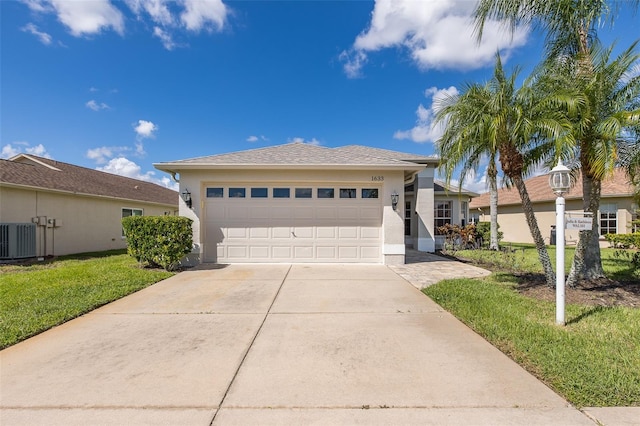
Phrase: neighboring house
(617, 209)
(71, 209)
(304, 203)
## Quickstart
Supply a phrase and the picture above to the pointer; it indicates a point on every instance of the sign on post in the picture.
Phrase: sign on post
(578, 223)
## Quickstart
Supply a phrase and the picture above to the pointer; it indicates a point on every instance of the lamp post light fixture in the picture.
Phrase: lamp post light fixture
(560, 183)
(394, 200)
(186, 196)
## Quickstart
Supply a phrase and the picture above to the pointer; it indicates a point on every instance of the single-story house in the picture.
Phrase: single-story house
(48, 207)
(304, 203)
(617, 209)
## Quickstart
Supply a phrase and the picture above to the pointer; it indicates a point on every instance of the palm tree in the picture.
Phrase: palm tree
(465, 143)
(496, 118)
(571, 32)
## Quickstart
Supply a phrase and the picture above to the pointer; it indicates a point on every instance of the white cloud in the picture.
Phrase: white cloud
(437, 34)
(92, 104)
(102, 154)
(312, 141)
(254, 138)
(82, 17)
(42, 36)
(11, 150)
(425, 129)
(165, 17)
(125, 167)
(204, 14)
(165, 37)
(145, 129)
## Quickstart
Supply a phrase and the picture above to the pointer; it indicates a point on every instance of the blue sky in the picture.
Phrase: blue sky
(120, 85)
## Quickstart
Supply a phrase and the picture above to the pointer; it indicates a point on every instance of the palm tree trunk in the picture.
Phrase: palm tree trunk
(493, 208)
(587, 262)
(527, 208)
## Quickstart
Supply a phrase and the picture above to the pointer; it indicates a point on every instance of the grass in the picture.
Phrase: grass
(36, 297)
(524, 258)
(592, 361)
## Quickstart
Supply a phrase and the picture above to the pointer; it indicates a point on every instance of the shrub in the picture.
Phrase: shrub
(457, 237)
(483, 229)
(158, 240)
(624, 240)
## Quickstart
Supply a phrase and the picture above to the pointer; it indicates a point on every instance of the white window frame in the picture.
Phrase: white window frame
(610, 213)
(446, 219)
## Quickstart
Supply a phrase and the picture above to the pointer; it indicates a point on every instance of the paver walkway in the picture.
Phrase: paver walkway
(423, 269)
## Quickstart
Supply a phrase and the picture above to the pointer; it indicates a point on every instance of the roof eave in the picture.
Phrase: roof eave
(177, 167)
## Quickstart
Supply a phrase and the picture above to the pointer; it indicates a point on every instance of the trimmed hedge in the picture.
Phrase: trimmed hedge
(158, 240)
(624, 240)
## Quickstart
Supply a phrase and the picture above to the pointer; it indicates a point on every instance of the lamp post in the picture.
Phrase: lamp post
(560, 182)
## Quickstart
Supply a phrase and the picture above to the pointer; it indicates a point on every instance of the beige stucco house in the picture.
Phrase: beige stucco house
(617, 209)
(304, 203)
(48, 207)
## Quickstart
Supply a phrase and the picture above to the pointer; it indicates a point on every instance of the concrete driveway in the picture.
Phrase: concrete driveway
(271, 344)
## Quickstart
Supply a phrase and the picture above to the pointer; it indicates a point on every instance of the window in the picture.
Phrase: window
(259, 193)
(635, 219)
(407, 218)
(369, 193)
(237, 192)
(326, 192)
(608, 219)
(215, 193)
(281, 192)
(303, 192)
(442, 214)
(130, 212)
(464, 213)
(347, 193)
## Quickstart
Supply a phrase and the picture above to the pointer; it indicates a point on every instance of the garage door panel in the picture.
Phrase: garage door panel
(369, 232)
(326, 253)
(281, 212)
(303, 232)
(348, 213)
(262, 232)
(326, 232)
(348, 232)
(240, 233)
(303, 252)
(371, 253)
(237, 252)
(326, 212)
(259, 252)
(281, 232)
(282, 252)
(370, 214)
(348, 252)
(303, 212)
(238, 211)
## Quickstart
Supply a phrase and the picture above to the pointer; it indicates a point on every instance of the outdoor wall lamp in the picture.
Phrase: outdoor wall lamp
(560, 182)
(394, 200)
(186, 196)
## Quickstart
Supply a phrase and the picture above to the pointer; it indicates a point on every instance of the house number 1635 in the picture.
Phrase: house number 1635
(377, 178)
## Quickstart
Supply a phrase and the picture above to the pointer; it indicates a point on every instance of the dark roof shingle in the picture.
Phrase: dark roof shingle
(33, 171)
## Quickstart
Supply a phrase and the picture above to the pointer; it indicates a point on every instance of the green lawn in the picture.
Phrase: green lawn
(524, 258)
(37, 297)
(592, 361)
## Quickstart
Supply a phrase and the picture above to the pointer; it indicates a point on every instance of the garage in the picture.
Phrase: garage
(303, 203)
(298, 222)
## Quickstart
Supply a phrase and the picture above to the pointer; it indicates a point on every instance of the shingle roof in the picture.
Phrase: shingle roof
(538, 188)
(301, 155)
(34, 171)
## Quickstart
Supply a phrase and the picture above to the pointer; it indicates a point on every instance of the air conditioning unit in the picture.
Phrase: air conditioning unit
(17, 240)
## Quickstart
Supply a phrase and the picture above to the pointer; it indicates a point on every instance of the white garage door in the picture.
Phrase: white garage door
(303, 223)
